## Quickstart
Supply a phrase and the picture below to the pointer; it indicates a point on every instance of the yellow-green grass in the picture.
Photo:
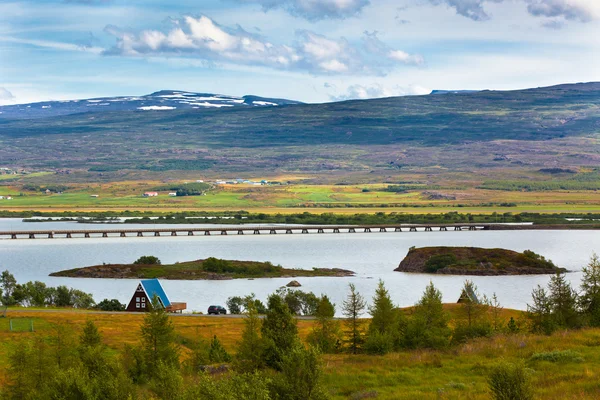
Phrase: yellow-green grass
(458, 373)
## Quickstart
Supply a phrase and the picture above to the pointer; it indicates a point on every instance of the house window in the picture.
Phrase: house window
(137, 305)
(137, 299)
(143, 305)
(143, 299)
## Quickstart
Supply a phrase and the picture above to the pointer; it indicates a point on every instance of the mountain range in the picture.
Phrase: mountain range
(552, 127)
(158, 101)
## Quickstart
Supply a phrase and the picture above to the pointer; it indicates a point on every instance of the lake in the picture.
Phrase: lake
(372, 256)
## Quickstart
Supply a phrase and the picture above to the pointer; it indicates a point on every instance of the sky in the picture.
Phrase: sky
(308, 50)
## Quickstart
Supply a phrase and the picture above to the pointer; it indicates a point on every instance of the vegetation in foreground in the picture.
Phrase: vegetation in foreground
(148, 267)
(475, 261)
(424, 352)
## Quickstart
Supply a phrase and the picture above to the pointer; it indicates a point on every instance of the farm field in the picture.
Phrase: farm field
(298, 197)
(458, 373)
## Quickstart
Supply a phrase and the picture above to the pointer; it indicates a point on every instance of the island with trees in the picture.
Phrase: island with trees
(148, 267)
(475, 261)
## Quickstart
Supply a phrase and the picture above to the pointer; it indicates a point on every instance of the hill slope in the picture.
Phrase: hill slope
(454, 131)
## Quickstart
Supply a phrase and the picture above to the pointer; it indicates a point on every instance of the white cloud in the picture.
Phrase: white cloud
(376, 91)
(6, 97)
(576, 10)
(314, 9)
(206, 40)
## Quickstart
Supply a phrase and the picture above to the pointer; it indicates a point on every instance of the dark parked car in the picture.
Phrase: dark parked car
(216, 310)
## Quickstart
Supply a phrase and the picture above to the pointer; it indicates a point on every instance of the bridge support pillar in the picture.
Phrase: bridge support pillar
(304, 230)
(428, 229)
(443, 229)
(13, 236)
(457, 228)
(122, 234)
(51, 235)
(288, 231)
(206, 233)
(31, 236)
(367, 230)
(351, 230)
(272, 232)
(104, 234)
(140, 234)
(69, 235)
(191, 233)
(240, 232)
(398, 230)
(336, 230)
(86, 235)
(223, 232)
(174, 233)
(382, 230)
(257, 231)
(472, 228)
(413, 229)
(320, 230)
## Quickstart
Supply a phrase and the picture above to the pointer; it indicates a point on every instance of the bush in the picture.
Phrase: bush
(147, 260)
(510, 382)
(379, 343)
(110, 305)
(558, 356)
(463, 332)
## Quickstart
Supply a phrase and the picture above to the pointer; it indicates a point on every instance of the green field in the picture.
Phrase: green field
(563, 365)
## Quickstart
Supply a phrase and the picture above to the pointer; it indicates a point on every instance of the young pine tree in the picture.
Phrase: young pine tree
(496, 311)
(564, 302)
(352, 308)
(279, 331)
(383, 316)
(249, 355)
(326, 331)
(383, 326)
(217, 353)
(90, 337)
(300, 377)
(589, 301)
(428, 326)
(158, 339)
(540, 312)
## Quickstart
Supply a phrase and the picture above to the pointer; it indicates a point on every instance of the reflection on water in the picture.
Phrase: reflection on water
(372, 256)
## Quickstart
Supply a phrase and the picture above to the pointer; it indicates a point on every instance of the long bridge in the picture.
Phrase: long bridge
(241, 230)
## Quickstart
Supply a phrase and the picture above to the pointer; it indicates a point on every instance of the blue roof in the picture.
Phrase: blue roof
(153, 287)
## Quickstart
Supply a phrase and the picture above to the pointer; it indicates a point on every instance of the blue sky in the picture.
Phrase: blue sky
(308, 50)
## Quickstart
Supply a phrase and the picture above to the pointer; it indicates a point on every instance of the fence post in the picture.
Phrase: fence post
(31, 324)
(10, 323)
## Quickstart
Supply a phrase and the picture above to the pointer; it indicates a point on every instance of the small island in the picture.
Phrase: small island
(148, 267)
(475, 261)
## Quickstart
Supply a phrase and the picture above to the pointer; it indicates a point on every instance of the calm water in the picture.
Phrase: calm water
(372, 256)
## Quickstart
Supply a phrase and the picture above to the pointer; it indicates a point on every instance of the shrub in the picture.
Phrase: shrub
(558, 356)
(147, 260)
(379, 343)
(110, 305)
(510, 382)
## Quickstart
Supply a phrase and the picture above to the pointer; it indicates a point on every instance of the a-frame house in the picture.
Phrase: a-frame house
(146, 290)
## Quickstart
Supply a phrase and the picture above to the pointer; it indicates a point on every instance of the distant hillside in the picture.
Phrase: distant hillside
(164, 100)
(454, 131)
